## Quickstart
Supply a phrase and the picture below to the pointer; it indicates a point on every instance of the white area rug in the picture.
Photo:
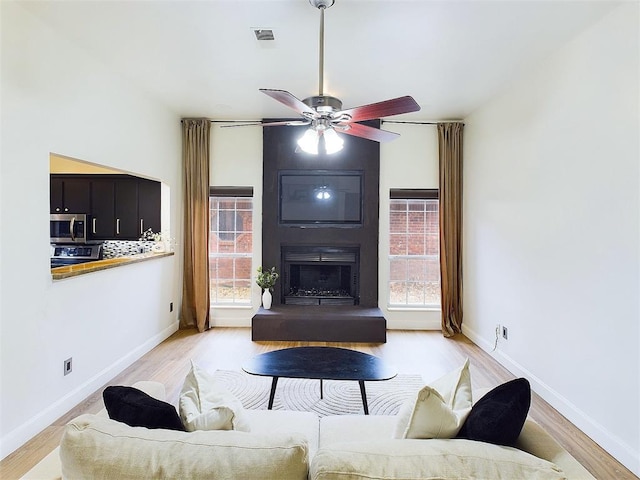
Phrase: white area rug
(340, 397)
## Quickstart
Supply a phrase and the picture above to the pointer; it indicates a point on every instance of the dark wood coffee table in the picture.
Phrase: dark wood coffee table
(321, 363)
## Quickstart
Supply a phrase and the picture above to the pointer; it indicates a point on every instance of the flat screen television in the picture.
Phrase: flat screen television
(320, 197)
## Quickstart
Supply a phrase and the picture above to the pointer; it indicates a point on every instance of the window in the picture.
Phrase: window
(414, 249)
(230, 245)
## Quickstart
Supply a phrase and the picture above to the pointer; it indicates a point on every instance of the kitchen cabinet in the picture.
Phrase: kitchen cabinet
(126, 209)
(149, 205)
(102, 221)
(56, 200)
(121, 207)
(68, 195)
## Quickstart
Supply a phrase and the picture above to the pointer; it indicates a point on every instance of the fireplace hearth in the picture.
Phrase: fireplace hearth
(320, 275)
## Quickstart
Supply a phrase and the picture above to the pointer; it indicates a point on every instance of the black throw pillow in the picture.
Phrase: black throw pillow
(137, 409)
(499, 416)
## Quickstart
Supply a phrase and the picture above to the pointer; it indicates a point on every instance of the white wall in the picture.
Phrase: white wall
(410, 161)
(551, 231)
(236, 160)
(57, 99)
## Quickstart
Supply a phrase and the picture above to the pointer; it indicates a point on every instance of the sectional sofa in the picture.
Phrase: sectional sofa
(287, 445)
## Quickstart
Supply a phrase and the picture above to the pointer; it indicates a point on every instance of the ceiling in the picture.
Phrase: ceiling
(202, 58)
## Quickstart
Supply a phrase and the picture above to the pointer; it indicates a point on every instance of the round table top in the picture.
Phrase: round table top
(325, 363)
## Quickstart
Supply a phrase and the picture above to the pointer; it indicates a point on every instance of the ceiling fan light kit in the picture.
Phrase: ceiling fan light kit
(324, 113)
(332, 141)
(312, 137)
(309, 141)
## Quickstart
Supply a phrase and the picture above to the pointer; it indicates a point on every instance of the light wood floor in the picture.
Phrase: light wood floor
(426, 353)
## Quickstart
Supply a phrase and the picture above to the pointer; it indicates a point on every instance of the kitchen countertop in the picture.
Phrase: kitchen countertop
(68, 271)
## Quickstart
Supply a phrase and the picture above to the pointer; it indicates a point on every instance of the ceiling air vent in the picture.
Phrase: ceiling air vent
(263, 34)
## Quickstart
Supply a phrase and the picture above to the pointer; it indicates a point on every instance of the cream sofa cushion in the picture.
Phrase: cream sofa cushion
(205, 404)
(355, 428)
(536, 441)
(270, 422)
(99, 448)
(438, 410)
(441, 459)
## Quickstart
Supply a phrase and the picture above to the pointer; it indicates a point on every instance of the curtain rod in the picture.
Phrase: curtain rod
(235, 121)
(382, 121)
(411, 123)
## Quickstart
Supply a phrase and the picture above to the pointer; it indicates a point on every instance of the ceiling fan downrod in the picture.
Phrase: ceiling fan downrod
(321, 5)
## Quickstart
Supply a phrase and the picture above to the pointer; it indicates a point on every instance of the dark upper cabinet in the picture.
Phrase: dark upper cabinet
(56, 200)
(68, 195)
(149, 199)
(103, 213)
(126, 209)
(121, 207)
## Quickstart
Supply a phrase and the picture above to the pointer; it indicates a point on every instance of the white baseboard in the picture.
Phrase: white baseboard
(412, 325)
(612, 444)
(19, 436)
(391, 325)
(236, 317)
(229, 322)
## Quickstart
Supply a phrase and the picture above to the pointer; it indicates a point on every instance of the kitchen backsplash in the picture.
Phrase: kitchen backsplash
(121, 248)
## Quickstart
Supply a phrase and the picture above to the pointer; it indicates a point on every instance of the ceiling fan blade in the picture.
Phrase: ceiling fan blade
(395, 106)
(289, 100)
(370, 133)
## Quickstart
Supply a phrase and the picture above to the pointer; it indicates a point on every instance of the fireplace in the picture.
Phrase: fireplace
(320, 275)
(327, 259)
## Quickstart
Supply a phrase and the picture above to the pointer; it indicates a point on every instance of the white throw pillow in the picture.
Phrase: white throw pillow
(205, 404)
(438, 410)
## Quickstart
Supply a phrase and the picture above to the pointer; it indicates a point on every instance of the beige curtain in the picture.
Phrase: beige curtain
(450, 205)
(195, 288)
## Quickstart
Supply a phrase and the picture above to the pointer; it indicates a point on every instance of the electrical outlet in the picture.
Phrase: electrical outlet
(68, 366)
(505, 333)
(171, 307)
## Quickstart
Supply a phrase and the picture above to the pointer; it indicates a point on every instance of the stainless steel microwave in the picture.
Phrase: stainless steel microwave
(68, 228)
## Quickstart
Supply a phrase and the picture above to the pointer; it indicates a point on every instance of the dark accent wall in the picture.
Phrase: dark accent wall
(279, 153)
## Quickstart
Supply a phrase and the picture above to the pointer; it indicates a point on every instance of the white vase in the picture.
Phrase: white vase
(266, 299)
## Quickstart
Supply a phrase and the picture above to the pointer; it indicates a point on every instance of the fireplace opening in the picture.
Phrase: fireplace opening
(320, 275)
(326, 280)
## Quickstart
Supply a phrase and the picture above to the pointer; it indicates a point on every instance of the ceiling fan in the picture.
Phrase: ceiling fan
(325, 115)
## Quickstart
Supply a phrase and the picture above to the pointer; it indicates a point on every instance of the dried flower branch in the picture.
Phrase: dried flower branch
(266, 279)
